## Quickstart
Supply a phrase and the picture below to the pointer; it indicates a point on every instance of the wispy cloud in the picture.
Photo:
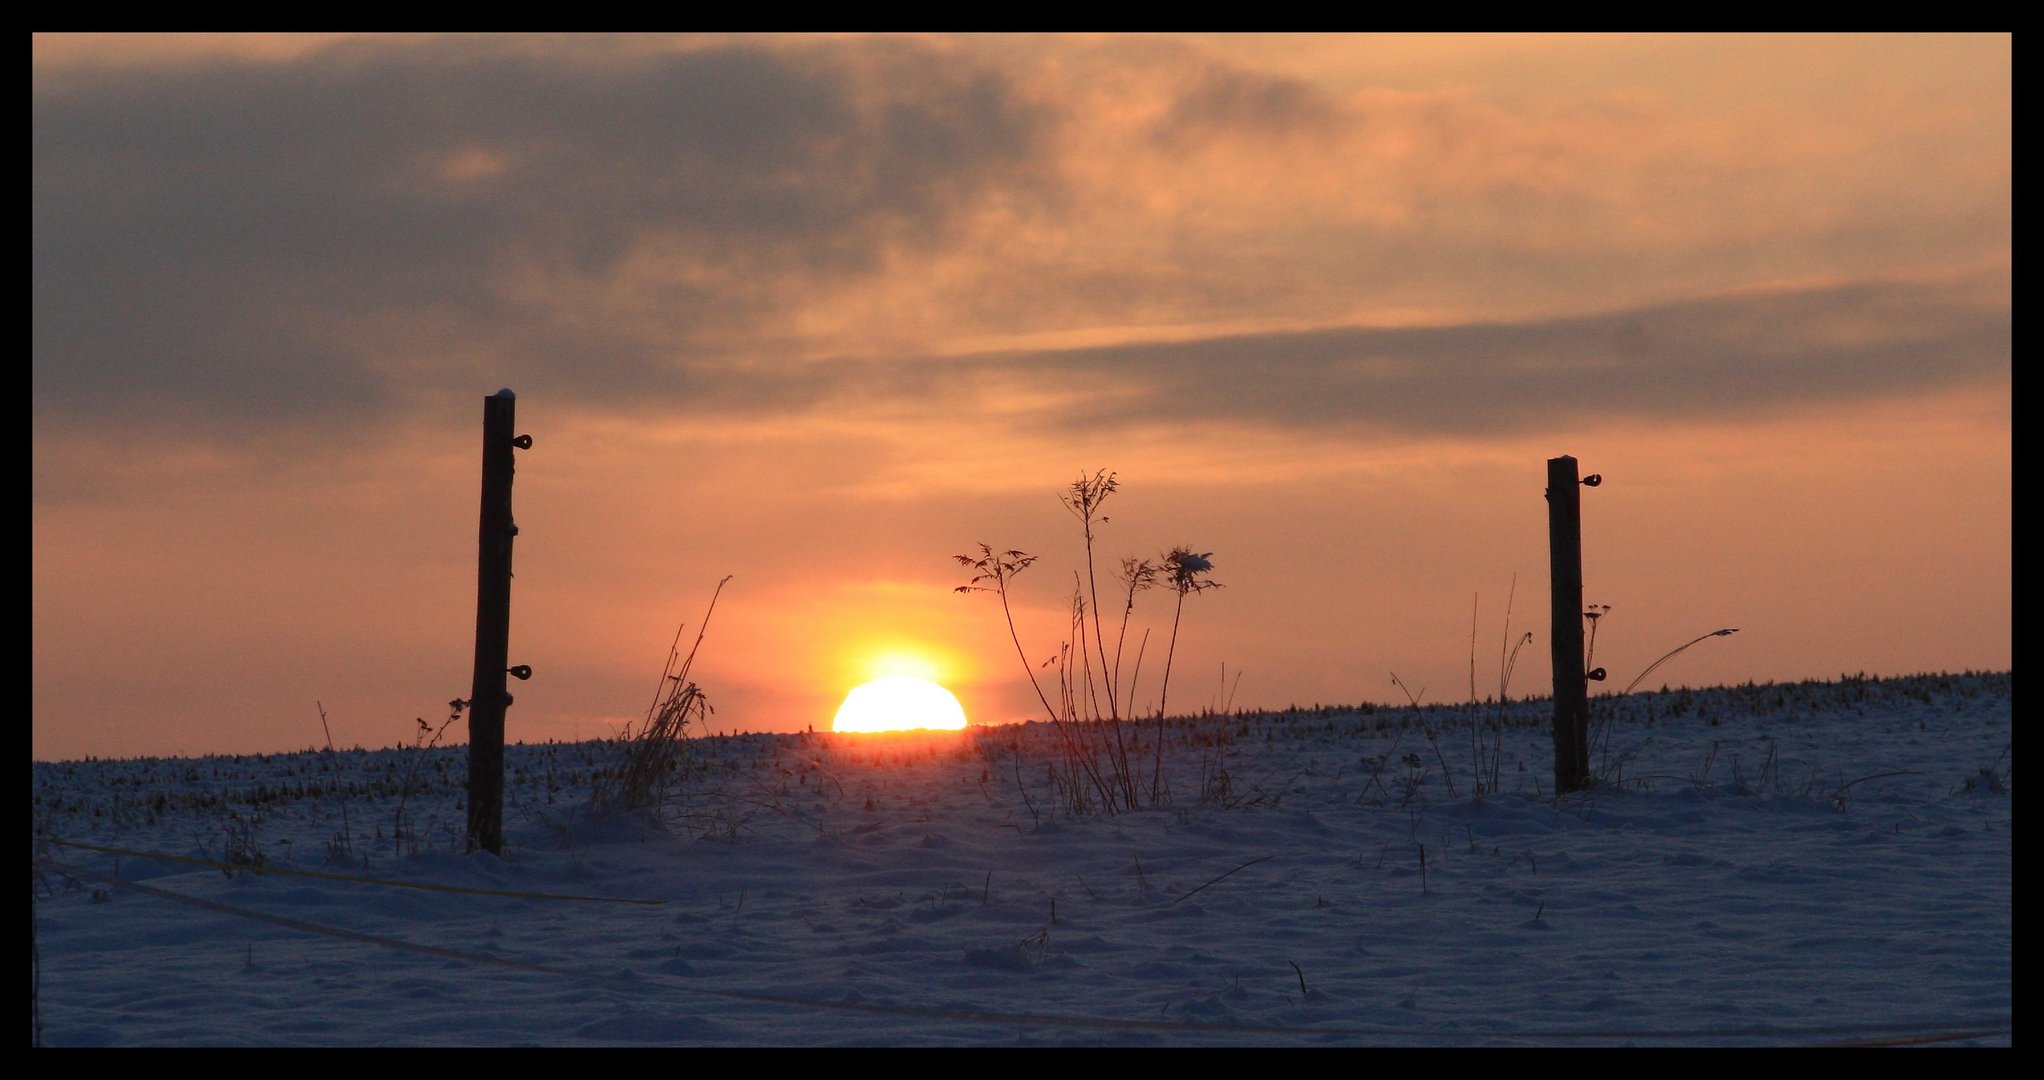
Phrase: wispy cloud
(1745, 354)
(365, 226)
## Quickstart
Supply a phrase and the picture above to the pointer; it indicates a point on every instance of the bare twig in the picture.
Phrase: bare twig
(1672, 653)
(346, 840)
(1225, 876)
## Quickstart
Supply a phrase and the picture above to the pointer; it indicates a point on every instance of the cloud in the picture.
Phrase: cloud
(1757, 351)
(367, 230)
(1753, 352)
(267, 241)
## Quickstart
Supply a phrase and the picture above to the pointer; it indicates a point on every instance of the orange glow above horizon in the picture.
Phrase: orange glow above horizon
(1325, 303)
(899, 703)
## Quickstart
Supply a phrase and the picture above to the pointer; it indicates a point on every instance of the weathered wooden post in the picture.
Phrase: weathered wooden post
(1565, 631)
(488, 696)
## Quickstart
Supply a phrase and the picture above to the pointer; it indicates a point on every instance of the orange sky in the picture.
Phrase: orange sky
(822, 312)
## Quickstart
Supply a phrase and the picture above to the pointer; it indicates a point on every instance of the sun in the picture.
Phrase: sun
(899, 703)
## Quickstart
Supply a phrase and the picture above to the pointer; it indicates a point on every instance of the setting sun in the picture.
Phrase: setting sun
(899, 703)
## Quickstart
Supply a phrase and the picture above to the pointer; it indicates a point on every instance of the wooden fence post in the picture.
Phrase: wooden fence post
(488, 696)
(1565, 631)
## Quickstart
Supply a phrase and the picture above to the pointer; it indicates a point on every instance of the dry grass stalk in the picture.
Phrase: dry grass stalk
(656, 754)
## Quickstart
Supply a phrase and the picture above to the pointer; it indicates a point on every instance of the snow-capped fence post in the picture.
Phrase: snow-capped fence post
(488, 696)
(1565, 633)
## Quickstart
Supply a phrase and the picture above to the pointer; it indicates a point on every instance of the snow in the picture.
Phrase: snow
(1763, 865)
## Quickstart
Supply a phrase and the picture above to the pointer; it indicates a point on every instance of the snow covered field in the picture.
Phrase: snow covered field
(1765, 865)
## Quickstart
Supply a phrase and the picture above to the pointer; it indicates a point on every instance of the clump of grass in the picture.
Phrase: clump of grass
(239, 847)
(1996, 778)
(1487, 759)
(424, 740)
(1433, 734)
(656, 753)
(994, 571)
(1093, 714)
(1487, 717)
(1766, 781)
